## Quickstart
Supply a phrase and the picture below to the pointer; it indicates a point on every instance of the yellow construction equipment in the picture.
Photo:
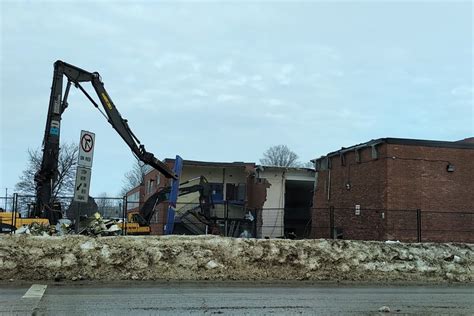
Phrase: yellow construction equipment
(10, 221)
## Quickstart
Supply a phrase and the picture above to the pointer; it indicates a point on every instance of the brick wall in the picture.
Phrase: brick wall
(401, 180)
(367, 180)
(418, 179)
(159, 218)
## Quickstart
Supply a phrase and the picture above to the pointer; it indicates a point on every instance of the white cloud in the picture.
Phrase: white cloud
(272, 102)
(239, 81)
(463, 90)
(275, 116)
(199, 93)
(229, 98)
(170, 59)
(422, 80)
(283, 77)
(225, 67)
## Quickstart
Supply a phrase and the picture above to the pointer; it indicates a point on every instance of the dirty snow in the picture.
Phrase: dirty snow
(217, 258)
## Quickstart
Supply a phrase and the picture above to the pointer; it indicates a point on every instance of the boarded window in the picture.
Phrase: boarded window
(343, 159)
(357, 155)
(375, 152)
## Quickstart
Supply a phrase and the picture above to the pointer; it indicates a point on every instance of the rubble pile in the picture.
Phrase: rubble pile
(95, 225)
(36, 229)
(217, 258)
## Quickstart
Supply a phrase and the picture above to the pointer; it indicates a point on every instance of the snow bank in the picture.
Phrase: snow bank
(216, 258)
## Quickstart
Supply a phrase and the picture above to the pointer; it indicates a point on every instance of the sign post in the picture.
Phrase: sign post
(84, 170)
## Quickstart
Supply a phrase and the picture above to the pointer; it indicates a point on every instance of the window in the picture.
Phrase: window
(235, 192)
(217, 190)
(149, 186)
(357, 155)
(133, 200)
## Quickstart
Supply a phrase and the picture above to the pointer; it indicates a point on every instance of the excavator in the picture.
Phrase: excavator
(47, 175)
(138, 223)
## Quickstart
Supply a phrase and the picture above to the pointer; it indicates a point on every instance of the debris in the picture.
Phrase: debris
(249, 217)
(245, 234)
(63, 227)
(384, 309)
(113, 228)
(23, 230)
(35, 229)
(392, 241)
(97, 226)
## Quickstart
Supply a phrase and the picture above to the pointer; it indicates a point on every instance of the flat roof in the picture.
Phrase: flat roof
(213, 163)
(463, 144)
(286, 168)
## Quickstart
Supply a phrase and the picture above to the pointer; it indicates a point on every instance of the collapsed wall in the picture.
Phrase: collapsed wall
(217, 258)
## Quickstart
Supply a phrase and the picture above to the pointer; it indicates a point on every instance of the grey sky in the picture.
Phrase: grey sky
(224, 81)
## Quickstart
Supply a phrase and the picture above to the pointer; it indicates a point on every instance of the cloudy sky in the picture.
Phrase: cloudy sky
(224, 81)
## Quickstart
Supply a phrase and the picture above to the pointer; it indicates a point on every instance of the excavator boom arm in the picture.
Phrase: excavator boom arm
(46, 177)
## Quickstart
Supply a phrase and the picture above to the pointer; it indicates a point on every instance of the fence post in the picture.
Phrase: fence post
(331, 221)
(418, 224)
(226, 217)
(124, 216)
(14, 210)
(255, 226)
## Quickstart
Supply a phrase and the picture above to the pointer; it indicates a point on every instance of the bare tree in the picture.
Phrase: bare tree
(281, 156)
(307, 164)
(67, 164)
(106, 205)
(134, 177)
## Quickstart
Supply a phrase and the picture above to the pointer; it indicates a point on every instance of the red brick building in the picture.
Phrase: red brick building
(373, 191)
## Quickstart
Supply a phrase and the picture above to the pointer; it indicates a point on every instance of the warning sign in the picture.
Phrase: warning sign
(86, 149)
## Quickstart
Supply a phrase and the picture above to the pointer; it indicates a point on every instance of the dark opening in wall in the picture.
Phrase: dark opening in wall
(298, 199)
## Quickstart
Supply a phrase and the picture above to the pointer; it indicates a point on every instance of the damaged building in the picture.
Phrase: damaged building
(248, 200)
(287, 208)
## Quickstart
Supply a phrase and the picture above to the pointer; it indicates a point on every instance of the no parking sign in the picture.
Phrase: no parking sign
(84, 165)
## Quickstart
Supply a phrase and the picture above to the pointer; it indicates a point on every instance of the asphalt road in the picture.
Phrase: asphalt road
(145, 298)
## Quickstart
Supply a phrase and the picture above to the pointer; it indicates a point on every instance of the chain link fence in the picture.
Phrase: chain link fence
(226, 218)
(234, 219)
(389, 224)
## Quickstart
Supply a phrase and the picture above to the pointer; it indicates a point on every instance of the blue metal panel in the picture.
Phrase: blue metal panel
(173, 198)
